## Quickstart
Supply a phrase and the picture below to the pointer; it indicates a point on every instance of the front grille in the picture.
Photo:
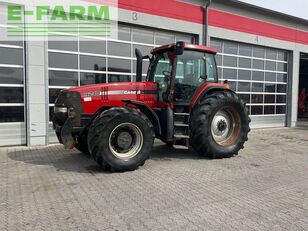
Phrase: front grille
(71, 100)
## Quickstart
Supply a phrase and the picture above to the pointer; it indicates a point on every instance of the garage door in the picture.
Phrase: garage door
(12, 93)
(259, 75)
(78, 63)
(12, 88)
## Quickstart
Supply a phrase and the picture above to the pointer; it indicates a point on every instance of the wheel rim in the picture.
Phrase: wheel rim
(125, 141)
(226, 126)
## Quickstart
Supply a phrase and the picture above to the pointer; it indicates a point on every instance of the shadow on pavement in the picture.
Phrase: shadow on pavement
(73, 160)
(56, 156)
(163, 152)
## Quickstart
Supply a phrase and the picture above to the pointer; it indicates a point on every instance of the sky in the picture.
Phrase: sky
(297, 8)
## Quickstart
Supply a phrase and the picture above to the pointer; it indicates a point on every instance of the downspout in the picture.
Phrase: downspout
(206, 36)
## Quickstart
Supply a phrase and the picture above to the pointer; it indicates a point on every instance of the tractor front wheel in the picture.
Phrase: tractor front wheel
(121, 139)
(219, 125)
(82, 144)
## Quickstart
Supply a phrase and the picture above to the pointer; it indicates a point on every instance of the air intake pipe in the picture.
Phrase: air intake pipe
(139, 65)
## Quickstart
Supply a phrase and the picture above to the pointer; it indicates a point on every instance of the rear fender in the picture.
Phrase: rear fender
(145, 109)
(207, 89)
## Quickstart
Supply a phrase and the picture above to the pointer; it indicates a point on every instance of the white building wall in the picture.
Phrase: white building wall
(36, 93)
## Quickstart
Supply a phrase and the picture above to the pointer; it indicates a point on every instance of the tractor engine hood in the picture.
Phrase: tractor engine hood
(94, 97)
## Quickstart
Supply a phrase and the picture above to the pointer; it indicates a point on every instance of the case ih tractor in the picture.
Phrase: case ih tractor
(180, 103)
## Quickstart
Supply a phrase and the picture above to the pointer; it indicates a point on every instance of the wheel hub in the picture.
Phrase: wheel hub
(124, 140)
(222, 125)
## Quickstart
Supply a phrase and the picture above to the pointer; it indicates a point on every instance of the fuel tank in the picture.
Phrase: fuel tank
(93, 97)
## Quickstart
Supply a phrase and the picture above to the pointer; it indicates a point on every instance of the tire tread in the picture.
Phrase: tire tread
(201, 115)
(97, 128)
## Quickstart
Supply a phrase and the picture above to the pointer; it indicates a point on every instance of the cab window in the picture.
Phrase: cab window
(193, 69)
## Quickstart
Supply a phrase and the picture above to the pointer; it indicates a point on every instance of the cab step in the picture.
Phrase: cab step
(181, 130)
(180, 147)
(181, 136)
(181, 141)
(181, 114)
(181, 125)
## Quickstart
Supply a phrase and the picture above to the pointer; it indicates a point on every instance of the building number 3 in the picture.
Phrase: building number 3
(135, 16)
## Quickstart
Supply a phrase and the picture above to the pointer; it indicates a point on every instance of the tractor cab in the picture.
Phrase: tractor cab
(180, 69)
(182, 73)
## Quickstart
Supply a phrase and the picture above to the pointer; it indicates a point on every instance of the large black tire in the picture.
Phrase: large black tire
(59, 137)
(219, 125)
(82, 143)
(121, 139)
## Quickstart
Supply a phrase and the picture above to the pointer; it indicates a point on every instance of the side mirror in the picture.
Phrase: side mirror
(179, 48)
(146, 57)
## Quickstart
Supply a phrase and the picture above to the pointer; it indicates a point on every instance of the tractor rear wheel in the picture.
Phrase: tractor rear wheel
(219, 125)
(121, 139)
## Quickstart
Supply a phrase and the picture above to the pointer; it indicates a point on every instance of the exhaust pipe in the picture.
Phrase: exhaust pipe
(206, 22)
(139, 65)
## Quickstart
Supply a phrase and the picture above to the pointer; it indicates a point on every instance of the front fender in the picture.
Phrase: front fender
(145, 109)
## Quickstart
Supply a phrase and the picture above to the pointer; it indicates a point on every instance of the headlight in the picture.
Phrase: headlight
(60, 110)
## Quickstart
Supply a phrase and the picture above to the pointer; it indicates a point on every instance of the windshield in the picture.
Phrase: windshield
(193, 66)
(193, 69)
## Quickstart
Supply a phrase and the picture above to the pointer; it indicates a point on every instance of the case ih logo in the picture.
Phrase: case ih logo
(62, 20)
(138, 92)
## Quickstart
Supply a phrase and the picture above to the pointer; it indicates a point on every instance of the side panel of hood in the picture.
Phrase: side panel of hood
(93, 97)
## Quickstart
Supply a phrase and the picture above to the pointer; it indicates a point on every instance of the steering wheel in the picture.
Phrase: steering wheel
(167, 75)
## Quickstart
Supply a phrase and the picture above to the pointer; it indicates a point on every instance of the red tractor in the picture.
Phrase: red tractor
(180, 103)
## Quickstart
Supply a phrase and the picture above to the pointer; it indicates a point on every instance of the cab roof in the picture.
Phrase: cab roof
(187, 46)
